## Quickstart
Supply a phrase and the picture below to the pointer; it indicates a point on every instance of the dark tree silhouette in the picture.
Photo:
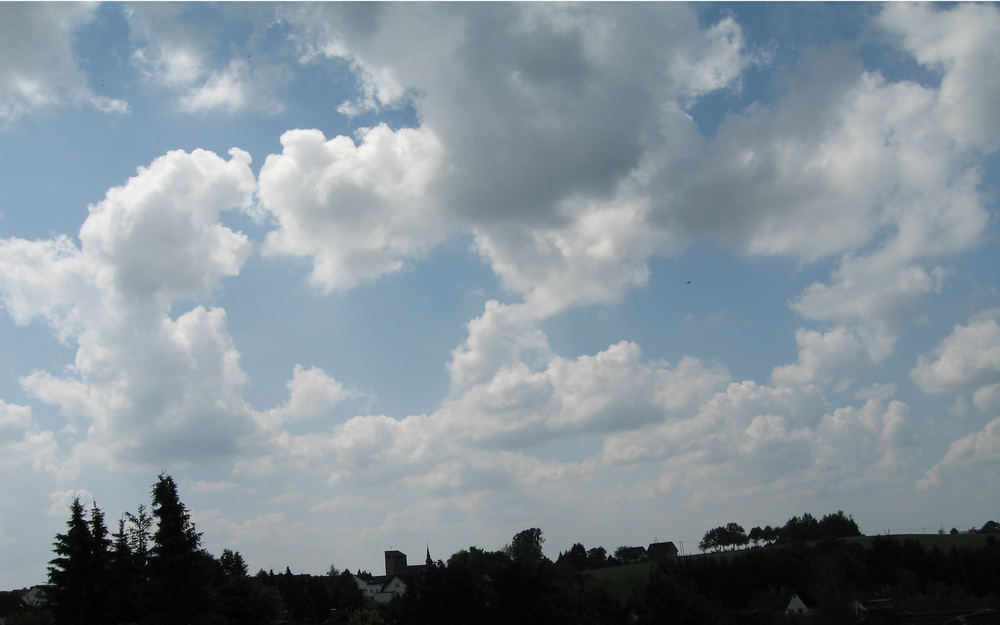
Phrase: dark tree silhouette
(711, 539)
(526, 546)
(597, 557)
(140, 534)
(575, 558)
(801, 528)
(735, 535)
(123, 579)
(100, 559)
(178, 588)
(838, 525)
(71, 571)
(232, 563)
(771, 534)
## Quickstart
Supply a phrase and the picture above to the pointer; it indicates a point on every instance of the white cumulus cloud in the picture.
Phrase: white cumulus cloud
(160, 233)
(977, 450)
(359, 210)
(961, 43)
(312, 394)
(966, 360)
(822, 355)
(145, 385)
(22, 442)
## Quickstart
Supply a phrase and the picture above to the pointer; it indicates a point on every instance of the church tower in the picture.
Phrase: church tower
(395, 563)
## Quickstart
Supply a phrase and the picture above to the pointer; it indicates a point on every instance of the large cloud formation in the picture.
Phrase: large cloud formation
(146, 385)
(578, 95)
(562, 141)
(613, 170)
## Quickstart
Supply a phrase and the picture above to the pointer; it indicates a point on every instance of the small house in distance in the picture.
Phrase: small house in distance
(778, 601)
(661, 551)
(631, 555)
(383, 588)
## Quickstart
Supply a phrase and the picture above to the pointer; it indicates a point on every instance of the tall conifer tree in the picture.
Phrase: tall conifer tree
(139, 536)
(179, 594)
(122, 577)
(100, 559)
(70, 571)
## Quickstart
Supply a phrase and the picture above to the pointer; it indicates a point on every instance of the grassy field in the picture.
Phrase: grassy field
(944, 542)
(621, 580)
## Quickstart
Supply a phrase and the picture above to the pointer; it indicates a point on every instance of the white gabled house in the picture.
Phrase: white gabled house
(796, 606)
(368, 587)
(778, 601)
(379, 590)
(382, 589)
(395, 587)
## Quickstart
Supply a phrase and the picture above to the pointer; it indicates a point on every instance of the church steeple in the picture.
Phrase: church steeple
(428, 561)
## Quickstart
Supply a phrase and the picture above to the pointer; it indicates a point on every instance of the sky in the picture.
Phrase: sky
(408, 276)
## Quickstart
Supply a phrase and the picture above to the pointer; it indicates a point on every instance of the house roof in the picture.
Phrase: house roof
(381, 581)
(631, 552)
(404, 576)
(662, 549)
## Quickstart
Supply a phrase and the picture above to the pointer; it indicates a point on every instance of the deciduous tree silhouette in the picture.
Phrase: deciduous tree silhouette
(526, 546)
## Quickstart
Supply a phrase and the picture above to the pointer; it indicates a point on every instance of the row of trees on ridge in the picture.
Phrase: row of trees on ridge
(796, 529)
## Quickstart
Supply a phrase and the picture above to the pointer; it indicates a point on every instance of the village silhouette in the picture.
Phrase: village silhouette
(153, 570)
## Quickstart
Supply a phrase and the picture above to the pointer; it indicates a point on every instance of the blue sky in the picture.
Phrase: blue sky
(367, 276)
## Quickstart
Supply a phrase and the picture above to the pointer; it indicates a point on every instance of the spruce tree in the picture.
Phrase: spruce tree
(232, 563)
(178, 586)
(70, 571)
(122, 578)
(100, 558)
(135, 571)
(139, 536)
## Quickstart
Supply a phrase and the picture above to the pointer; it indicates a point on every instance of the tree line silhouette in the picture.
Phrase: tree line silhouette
(501, 587)
(153, 571)
(796, 529)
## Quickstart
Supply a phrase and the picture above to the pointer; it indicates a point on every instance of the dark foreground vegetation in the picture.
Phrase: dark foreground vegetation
(153, 571)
